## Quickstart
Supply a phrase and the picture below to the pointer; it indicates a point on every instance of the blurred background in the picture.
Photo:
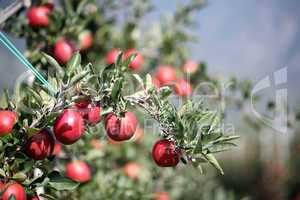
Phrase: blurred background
(248, 39)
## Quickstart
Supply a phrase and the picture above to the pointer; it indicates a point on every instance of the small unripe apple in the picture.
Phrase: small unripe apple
(90, 112)
(162, 196)
(165, 153)
(7, 121)
(16, 190)
(78, 171)
(112, 56)
(40, 145)
(120, 129)
(38, 16)
(190, 67)
(85, 40)
(166, 74)
(183, 88)
(69, 127)
(63, 51)
(132, 170)
(138, 62)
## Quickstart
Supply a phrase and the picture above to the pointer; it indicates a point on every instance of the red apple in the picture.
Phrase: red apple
(14, 189)
(190, 67)
(78, 171)
(63, 51)
(112, 56)
(132, 170)
(165, 153)
(7, 121)
(40, 145)
(138, 62)
(85, 40)
(166, 74)
(69, 127)
(162, 196)
(183, 88)
(89, 111)
(120, 129)
(38, 16)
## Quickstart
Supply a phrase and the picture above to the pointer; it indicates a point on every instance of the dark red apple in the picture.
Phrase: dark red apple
(120, 129)
(90, 112)
(165, 153)
(40, 145)
(69, 127)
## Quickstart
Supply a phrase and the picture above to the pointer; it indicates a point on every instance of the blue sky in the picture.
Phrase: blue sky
(249, 38)
(246, 38)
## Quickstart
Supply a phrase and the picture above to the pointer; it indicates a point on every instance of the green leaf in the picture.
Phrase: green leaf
(73, 63)
(164, 92)
(212, 160)
(211, 119)
(81, 6)
(129, 60)
(19, 176)
(12, 197)
(222, 147)
(149, 83)
(139, 79)
(4, 101)
(54, 64)
(116, 89)
(198, 147)
(106, 111)
(119, 59)
(206, 138)
(37, 97)
(227, 138)
(59, 182)
(78, 77)
(32, 131)
(48, 196)
(2, 172)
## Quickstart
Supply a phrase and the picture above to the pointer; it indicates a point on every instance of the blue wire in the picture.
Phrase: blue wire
(20, 56)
